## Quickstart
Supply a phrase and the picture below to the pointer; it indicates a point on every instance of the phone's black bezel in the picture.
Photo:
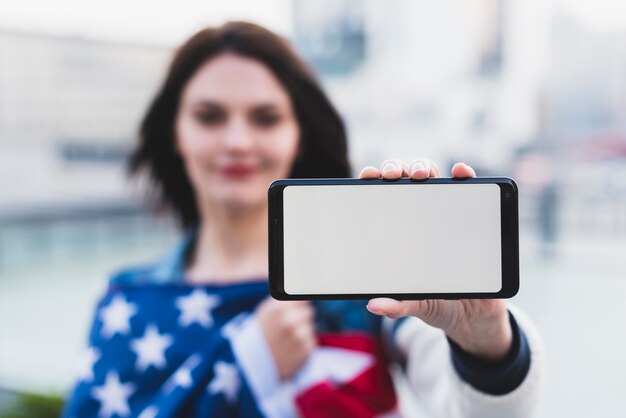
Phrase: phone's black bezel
(509, 238)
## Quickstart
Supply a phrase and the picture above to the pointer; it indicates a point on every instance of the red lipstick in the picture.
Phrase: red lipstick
(237, 171)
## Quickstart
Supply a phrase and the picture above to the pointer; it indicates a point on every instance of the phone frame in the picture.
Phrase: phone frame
(509, 237)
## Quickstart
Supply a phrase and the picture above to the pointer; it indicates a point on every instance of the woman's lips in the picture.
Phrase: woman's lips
(237, 171)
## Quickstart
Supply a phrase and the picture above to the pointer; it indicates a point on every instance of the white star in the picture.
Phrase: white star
(86, 361)
(226, 381)
(116, 317)
(182, 377)
(113, 396)
(196, 307)
(150, 412)
(150, 348)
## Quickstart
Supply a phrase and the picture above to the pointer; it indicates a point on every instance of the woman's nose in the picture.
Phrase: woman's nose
(237, 136)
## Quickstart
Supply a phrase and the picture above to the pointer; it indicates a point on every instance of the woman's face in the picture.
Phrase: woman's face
(236, 131)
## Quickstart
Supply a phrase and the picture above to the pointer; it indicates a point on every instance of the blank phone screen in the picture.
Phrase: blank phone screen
(421, 238)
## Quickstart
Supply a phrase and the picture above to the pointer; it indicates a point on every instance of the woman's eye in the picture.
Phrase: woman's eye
(210, 118)
(266, 120)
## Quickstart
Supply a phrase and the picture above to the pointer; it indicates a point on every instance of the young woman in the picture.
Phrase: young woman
(196, 335)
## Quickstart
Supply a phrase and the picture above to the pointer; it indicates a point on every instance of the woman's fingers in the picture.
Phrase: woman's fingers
(462, 170)
(393, 169)
(369, 172)
(423, 168)
(418, 170)
(288, 328)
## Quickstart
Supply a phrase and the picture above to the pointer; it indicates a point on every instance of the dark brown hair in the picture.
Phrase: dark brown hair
(323, 146)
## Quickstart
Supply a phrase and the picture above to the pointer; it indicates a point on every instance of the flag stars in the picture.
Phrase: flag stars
(86, 361)
(113, 396)
(150, 349)
(226, 381)
(196, 308)
(116, 317)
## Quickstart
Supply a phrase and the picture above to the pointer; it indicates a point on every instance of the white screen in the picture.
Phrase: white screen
(423, 238)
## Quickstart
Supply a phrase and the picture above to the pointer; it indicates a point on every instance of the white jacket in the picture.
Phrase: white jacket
(438, 387)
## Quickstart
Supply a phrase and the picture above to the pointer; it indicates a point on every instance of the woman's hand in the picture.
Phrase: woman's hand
(289, 331)
(480, 327)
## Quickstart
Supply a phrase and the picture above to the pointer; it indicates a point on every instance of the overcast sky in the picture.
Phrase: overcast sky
(168, 22)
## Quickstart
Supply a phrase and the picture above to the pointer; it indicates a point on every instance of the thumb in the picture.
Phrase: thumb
(397, 308)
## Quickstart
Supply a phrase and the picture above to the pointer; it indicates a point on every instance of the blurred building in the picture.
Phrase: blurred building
(69, 111)
(586, 86)
(583, 125)
(331, 34)
(453, 80)
(439, 79)
(417, 79)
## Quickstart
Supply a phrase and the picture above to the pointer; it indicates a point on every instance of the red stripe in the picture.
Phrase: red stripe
(353, 341)
(368, 394)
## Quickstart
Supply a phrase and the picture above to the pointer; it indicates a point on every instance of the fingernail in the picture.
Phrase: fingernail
(389, 167)
(378, 306)
(374, 308)
(417, 167)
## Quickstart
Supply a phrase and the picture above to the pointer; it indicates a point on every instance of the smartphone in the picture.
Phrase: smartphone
(439, 238)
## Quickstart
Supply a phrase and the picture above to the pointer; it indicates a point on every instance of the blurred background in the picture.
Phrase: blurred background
(533, 89)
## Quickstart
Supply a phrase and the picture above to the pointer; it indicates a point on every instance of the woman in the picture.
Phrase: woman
(196, 334)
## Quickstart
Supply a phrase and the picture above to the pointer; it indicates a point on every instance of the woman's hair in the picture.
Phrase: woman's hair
(323, 148)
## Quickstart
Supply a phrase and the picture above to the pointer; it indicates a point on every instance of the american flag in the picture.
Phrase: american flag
(176, 350)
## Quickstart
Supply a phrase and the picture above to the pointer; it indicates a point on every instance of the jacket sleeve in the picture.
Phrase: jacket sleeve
(427, 357)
